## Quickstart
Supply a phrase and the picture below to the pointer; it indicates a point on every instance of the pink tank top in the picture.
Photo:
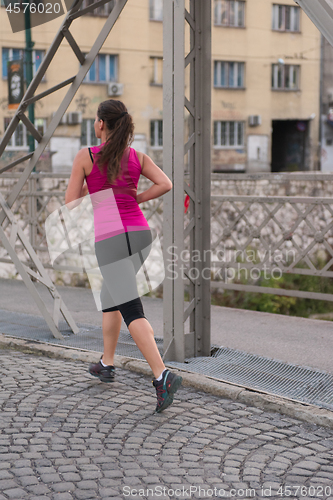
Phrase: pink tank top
(115, 207)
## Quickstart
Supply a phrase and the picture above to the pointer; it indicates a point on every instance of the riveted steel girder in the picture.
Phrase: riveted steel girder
(6, 215)
(193, 140)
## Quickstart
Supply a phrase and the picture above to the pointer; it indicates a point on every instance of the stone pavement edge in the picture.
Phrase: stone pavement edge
(304, 412)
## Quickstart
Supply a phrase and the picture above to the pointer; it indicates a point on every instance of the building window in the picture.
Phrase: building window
(37, 57)
(102, 11)
(157, 71)
(88, 137)
(229, 13)
(286, 18)
(19, 139)
(156, 133)
(40, 125)
(13, 54)
(228, 74)
(156, 10)
(285, 77)
(228, 134)
(103, 69)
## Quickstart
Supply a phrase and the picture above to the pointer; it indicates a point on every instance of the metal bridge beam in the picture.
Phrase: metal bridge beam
(177, 344)
(321, 14)
(6, 215)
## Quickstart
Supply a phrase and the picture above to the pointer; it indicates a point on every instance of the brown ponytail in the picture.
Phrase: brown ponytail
(121, 134)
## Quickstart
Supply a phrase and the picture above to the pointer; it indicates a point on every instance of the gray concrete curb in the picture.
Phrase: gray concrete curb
(304, 412)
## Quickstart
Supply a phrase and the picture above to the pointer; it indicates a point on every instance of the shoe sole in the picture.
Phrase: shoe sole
(173, 389)
(101, 378)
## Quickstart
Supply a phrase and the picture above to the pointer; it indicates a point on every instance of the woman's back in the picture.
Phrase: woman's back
(115, 207)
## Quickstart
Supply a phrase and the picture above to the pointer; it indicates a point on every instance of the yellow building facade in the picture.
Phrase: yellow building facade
(265, 84)
(278, 97)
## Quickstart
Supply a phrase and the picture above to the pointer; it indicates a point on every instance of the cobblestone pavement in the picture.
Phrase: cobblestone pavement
(65, 435)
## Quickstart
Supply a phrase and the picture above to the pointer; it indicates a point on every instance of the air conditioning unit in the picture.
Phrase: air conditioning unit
(115, 89)
(254, 120)
(74, 118)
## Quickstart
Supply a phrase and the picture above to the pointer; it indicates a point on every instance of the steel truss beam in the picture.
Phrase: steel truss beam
(6, 214)
(41, 274)
(321, 14)
(177, 344)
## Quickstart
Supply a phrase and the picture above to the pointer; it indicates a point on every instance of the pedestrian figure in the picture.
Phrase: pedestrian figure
(122, 235)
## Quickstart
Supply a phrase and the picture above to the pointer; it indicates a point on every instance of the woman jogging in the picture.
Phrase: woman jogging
(122, 235)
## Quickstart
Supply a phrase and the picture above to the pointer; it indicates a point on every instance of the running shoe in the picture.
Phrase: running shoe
(104, 373)
(165, 389)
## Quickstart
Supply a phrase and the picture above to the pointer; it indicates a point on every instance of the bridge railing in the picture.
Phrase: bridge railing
(275, 224)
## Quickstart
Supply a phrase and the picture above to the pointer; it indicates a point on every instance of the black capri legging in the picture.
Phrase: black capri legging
(119, 279)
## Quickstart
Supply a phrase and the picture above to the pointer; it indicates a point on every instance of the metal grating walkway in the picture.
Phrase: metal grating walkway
(90, 337)
(299, 383)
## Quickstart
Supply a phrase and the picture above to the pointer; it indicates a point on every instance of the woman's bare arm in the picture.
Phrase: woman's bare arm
(76, 188)
(151, 171)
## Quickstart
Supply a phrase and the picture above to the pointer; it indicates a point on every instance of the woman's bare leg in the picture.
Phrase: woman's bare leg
(111, 329)
(143, 335)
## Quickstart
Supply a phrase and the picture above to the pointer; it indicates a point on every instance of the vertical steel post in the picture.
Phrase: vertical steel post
(32, 202)
(202, 181)
(168, 326)
(173, 165)
(177, 344)
(321, 99)
(29, 72)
